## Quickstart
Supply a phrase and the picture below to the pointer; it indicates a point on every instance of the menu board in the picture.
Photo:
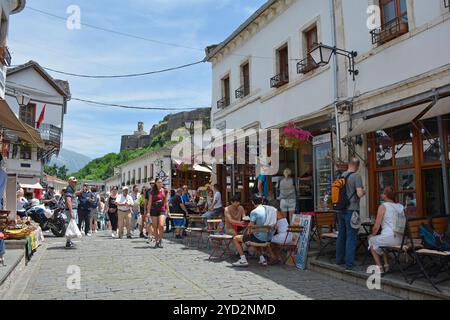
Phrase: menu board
(323, 174)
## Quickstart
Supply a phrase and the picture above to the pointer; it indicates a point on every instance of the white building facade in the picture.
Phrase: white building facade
(31, 86)
(263, 77)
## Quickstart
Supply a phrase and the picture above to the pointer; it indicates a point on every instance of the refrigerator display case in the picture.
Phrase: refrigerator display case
(323, 171)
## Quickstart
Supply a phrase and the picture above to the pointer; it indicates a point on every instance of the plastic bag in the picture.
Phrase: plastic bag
(72, 231)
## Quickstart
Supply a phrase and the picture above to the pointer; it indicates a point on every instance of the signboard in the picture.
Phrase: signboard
(303, 242)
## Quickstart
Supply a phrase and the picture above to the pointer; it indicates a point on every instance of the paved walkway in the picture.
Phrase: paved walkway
(131, 269)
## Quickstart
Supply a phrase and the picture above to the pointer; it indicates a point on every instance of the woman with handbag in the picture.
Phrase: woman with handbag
(158, 205)
(111, 211)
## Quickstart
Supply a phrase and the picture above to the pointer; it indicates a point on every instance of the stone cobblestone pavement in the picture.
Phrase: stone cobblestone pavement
(131, 269)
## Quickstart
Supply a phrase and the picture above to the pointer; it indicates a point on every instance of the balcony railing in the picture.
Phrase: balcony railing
(242, 92)
(390, 30)
(5, 56)
(222, 103)
(306, 65)
(279, 80)
(50, 133)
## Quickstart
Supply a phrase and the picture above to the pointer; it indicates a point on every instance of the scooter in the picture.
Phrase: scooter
(54, 220)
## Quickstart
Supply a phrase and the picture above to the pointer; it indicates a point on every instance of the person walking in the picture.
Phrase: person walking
(135, 209)
(158, 205)
(287, 194)
(169, 220)
(69, 197)
(95, 210)
(112, 211)
(348, 233)
(125, 204)
(86, 199)
(142, 211)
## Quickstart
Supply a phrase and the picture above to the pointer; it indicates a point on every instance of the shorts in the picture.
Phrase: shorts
(94, 213)
(251, 238)
(178, 223)
(288, 205)
(157, 213)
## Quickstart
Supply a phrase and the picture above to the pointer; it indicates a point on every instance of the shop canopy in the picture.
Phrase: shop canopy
(441, 108)
(36, 186)
(388, 120)
(8, 120)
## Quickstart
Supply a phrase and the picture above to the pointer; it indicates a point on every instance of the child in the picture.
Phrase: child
(281, 236)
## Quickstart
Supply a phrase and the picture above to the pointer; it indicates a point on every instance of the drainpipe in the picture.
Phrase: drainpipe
(444, 167)
(335, 80)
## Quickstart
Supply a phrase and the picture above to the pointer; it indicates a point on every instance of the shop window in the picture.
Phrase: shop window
(25, 152)
(434, 193)
(385, 178)
(431, 143)
(384, 149)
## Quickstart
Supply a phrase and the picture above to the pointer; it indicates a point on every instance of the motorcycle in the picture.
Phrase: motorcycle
(54, 220)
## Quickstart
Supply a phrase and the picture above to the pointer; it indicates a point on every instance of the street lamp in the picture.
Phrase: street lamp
(447, 3)
(321, 54)
(23, 99)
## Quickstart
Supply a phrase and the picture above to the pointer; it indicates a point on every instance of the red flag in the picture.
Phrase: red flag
(41, 117)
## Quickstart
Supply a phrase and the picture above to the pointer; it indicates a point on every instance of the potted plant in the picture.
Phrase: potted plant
(293, 137)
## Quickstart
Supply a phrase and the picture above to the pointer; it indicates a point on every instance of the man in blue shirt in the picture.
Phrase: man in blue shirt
(258, 217)
(86, 199)
(263, 186)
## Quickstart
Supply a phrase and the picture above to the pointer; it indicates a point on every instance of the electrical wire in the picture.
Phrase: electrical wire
(129, 35)
(132, 107)
(123, 75)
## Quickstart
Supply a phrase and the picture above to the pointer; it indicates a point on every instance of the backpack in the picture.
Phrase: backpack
(433, 240)
(399, 221)
(95, 203)
(339, 197)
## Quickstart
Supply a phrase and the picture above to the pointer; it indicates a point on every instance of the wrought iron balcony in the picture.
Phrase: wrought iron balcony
(390, 30)
(5, 56)
(306, 65)
(279, 80)
(222, 103)
(50, 133)
(242, 92)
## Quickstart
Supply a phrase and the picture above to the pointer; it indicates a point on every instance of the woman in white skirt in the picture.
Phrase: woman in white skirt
(385, 221)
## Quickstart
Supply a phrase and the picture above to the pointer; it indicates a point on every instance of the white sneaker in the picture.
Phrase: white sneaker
(113, 235)
(263, 263)
(240, 263)
(89, 234)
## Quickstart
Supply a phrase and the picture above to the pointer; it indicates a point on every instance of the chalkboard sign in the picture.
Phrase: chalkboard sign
(303, 242)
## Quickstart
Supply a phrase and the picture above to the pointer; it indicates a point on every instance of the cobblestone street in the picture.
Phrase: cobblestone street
(130, 269)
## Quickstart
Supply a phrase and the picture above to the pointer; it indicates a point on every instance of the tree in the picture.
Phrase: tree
(62, 173)
(51, 170)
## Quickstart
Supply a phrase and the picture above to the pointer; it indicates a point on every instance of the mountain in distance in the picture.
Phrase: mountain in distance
(72, 160)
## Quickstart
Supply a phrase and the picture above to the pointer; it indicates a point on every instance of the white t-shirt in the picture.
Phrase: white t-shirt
(122, 198)
(218, 199)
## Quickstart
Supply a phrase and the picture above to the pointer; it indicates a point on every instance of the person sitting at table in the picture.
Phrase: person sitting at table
(186, 198)
(281, 235)
(258, 217)
(216, 205)
(385, 221)
(234, 214)
(179, 207)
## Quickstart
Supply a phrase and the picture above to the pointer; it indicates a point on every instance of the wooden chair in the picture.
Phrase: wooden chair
(260, 229)
(192, 231)
(291, 247)
(217, 238)
(440, 223)
(325, 239)
(177, 216)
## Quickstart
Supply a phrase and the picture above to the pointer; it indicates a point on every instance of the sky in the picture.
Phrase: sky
(96, 131)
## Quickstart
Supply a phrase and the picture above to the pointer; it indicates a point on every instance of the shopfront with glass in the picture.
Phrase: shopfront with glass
(414, 158)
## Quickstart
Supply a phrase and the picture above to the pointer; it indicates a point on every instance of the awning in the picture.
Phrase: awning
(36, 186)
(9, 120)
(201, 168)
(388, 120)
(441, 108)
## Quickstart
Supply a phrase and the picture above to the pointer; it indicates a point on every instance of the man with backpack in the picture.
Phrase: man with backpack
(346, 194)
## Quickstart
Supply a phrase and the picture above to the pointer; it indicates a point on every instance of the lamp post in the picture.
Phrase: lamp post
(23, 99)
(321, 54)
